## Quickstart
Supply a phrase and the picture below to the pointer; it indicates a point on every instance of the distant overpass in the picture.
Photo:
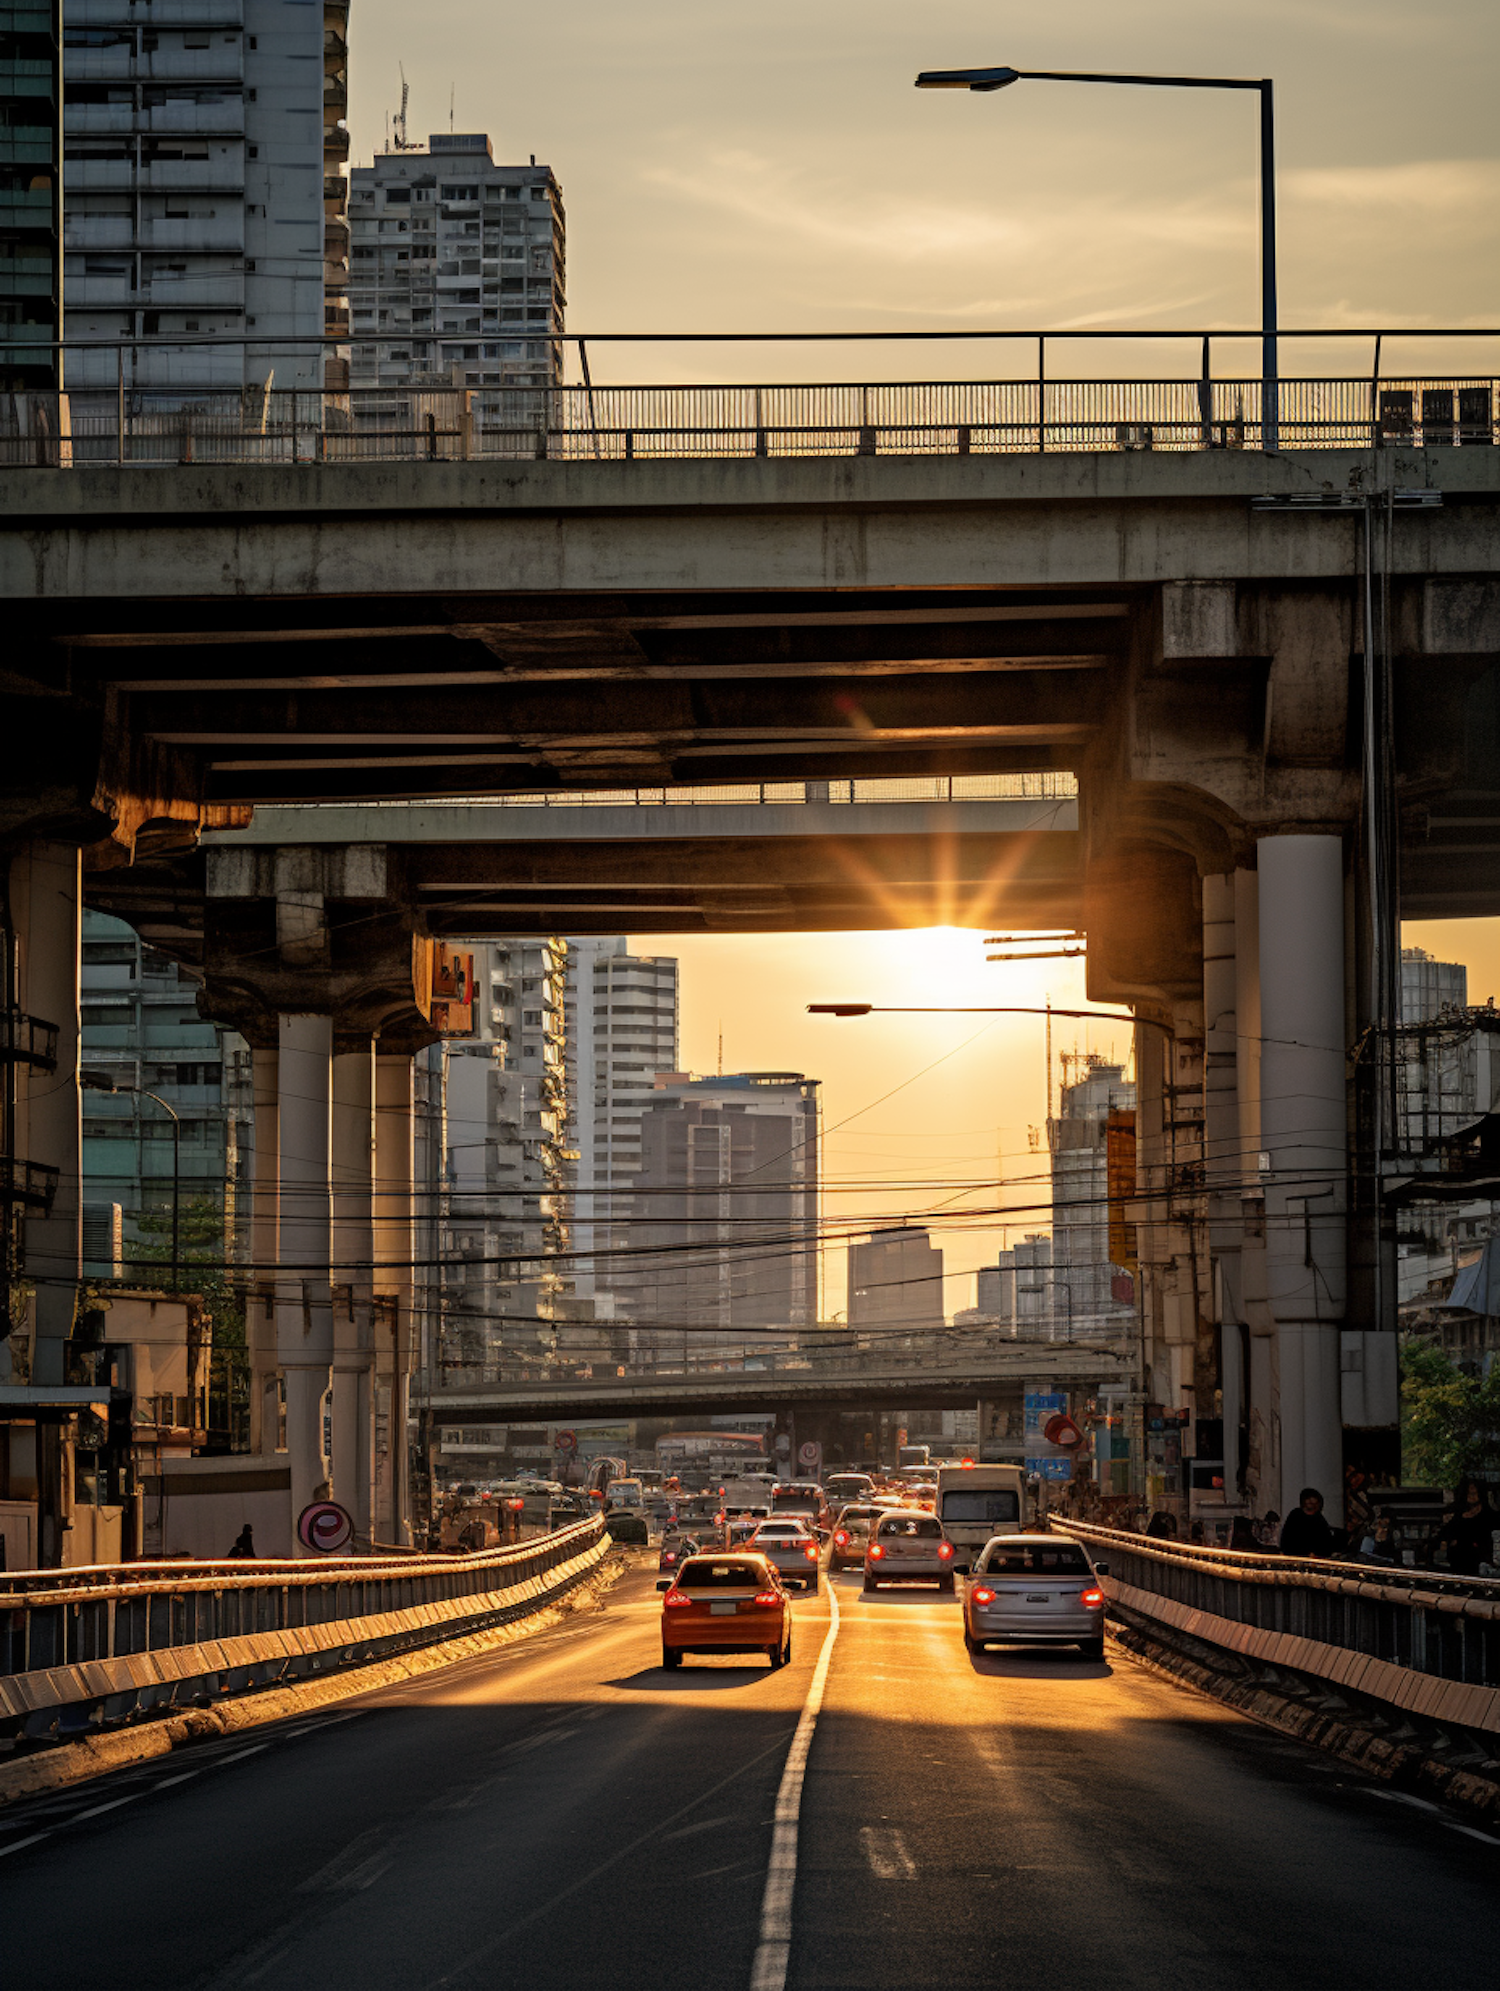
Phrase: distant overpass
(878, 1383)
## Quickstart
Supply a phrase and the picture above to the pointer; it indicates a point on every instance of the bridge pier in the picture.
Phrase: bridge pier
(304, 1298)
(353, 1251)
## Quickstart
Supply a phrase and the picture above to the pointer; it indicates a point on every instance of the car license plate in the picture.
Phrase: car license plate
(722, 1610)
(1042, 1599)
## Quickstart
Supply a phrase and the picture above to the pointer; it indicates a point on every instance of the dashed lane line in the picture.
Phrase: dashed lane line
(774, 1948)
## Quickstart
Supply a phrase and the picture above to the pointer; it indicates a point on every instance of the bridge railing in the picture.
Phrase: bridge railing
(1422, 1641)
(84, 1647)
(174, 402)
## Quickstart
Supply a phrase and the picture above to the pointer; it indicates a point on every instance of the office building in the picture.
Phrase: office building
(621, 1011)
(204, 145)
(1090, 1299)
(30, 191)
(142, 1031)
(896, 1281)
(727, 1193)
(457, 273)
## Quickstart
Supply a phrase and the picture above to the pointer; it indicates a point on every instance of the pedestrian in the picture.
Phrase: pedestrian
(1305, 1531)
(244, 1544)
(1378, 1543)
(1467, 1533)
(1195, 1534)
(1269, 1528)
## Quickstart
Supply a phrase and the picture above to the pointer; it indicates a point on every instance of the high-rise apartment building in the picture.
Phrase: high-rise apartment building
(30, 191)
(204, 143)
(1085, 1302)
(727, 1193)
(896, 1281)
(457, 271)
(621, 1033)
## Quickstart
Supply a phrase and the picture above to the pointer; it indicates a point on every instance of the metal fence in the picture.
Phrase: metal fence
(1428, 1642)
(79, 1647)
(582, 424)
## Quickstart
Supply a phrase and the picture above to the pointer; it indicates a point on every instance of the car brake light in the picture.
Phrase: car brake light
(876, 1551)
(767, 1599)
(945, 1549)
(982, 1596)
(675, 1599)
(1093, 1595)
(842, 1538)
(811, 1551)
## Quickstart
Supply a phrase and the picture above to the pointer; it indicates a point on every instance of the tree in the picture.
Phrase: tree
(1450, 1421)
(202, 1269)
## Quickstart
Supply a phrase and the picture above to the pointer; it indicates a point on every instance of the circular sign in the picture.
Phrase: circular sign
(566, 1441)
(1061, 1430)
(325, 1527)
(810, 1453)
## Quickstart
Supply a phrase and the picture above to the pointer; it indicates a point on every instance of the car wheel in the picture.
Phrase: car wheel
(1092, 1648)
(945, 1585)
(777, 1656)
(671, 1660)
(870, 1584)
(971, 1644)
(812, 1586)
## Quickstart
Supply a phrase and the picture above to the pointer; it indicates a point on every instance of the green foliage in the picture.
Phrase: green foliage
(202, 1259)
(1450, 1421)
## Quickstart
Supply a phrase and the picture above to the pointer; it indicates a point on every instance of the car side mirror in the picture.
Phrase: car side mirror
(1101, 1569)
(663, 1582)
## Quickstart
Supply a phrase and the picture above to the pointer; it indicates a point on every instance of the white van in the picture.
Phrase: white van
(975, 1503)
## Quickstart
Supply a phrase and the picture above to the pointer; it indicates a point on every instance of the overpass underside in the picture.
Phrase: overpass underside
(1276, 679)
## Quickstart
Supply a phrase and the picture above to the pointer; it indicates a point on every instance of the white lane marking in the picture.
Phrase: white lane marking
(113, 1805)
(885, 1849)
(774, 1948)
(1470, 1832)
(167, 1782)
(703, 1825)
(1402, 1797)
(355, 1868)
(240, 1754)
(16, 1844)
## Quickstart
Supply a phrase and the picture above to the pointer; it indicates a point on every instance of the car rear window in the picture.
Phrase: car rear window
(704, 1573)
(986, 1504)
(1065, 1560)
(911, 1526)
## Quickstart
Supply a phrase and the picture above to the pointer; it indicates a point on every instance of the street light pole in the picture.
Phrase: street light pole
(987, 80)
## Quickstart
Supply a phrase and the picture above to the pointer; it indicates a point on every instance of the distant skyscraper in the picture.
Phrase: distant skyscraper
(457, 271)
(726, 1162)
(30, 191)
(203, 158)
(896, 1280)
(1083, 1293)
(621, 1011)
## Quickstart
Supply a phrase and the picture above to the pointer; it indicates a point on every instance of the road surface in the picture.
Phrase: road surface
(565, 1814)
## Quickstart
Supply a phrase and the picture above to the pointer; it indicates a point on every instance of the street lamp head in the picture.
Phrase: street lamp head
(839, 1008)
(967, 79)
(94, 1080)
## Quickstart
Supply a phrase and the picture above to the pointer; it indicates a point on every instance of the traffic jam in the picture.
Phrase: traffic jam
(732, 1559)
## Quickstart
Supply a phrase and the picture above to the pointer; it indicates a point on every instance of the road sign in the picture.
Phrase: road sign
(566, 1441)
(811, 1455)
(325, 1527)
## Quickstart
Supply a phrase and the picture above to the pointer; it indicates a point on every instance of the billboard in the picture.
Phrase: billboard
(1119, 1165)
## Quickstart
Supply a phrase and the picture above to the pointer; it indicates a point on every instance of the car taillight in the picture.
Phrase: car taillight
(945, 1549)
(669, 1555)
(842, 1538)
(675, 1599)
(767, 1599)
(982, 1596)
(811, 1551)
(876, 1551)
(1093, 1595)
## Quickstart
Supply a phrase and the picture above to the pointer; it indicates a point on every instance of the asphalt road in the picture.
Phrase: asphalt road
(567, 1815)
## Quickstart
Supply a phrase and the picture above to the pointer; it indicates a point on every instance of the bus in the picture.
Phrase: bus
(713, 1452)
(977, 1502)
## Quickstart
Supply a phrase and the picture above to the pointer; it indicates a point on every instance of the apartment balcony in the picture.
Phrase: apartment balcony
(26, 276)
(222, 175)
(226, 117)
(222, 235)
(224, 62)
(85, 293)
(99, 65)
(100, 176)
(335, 143)
(192, 290)
(164, 14)
(24, 18)
(92, 120)
(26, 145)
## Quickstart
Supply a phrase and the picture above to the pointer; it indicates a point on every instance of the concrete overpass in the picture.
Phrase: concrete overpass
(874, 1382)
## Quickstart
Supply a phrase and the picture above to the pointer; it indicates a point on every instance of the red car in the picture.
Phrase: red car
(725, 1603)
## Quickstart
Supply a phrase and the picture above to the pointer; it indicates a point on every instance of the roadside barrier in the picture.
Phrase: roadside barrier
(1423, 1642)
(86, 1649)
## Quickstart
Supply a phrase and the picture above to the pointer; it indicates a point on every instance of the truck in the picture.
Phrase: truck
(975, 1503)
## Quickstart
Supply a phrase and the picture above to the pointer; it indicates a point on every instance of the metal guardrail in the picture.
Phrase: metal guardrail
(1427, 1642)
(582, 424)
(81, 1648)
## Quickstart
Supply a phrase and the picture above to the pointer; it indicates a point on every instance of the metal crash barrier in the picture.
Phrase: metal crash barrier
(90, 1648)
(1423, 1642)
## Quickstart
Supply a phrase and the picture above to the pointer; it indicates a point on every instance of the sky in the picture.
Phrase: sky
(770, 168)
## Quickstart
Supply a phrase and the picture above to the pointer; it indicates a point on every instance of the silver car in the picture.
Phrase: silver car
(908, 1546)
(792, 1548)
(1035, 1590)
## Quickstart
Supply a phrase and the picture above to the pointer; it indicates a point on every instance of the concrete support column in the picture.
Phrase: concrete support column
(353, 1279)
(394, 1280)
(304, 1316)
(265, 1234)
(1304, 1120)
(1262, 1481)
(1223, 1162)
(45, 905)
